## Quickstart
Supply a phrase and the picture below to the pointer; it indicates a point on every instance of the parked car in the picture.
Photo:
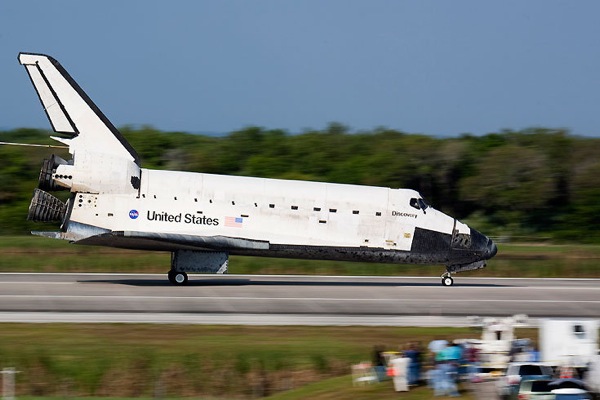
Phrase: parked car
(508, 385)
(571, 394)
(535, 389)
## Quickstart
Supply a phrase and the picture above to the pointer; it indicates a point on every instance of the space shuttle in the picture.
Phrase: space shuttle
(202, 219)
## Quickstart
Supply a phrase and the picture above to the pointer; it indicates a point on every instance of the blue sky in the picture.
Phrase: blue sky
(437, 67)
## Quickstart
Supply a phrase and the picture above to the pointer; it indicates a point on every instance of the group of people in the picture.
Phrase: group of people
(447, 358)
(403, 367)
(406, 367)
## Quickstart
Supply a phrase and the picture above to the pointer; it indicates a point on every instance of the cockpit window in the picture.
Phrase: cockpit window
(419, 204)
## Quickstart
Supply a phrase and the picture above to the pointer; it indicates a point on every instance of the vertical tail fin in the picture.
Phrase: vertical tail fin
(72, 112)
(103, 161)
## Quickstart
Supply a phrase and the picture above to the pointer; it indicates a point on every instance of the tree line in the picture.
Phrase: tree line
(534, 183)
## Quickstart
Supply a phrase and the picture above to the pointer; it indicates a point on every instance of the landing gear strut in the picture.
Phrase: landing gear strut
(177, 277)
(447, 279)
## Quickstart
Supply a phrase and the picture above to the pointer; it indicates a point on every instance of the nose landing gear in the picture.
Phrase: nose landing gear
(450, 269)
(447, 279)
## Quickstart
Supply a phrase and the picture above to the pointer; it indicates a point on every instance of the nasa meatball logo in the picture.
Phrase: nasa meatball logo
(133, 214)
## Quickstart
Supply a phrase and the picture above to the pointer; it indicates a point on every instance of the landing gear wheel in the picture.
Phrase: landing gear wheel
(447, 281)
(177, 277)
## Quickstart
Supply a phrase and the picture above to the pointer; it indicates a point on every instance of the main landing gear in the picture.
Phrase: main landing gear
(177, 277)
(447, 279)
(202, 262)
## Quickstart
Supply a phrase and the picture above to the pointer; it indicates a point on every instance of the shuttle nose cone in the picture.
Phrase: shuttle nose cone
(483, 245)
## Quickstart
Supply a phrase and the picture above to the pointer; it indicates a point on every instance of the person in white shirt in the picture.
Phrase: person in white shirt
(399, 366)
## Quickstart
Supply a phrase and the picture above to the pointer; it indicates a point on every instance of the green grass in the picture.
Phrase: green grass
(35, 254)
(341, 388)
(69, 397)
(327, 389)
(109, 398)
(141, 360)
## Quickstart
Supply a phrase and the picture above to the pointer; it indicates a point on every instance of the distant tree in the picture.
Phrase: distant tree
(510, 182)
(450, 156)
(236, 148)
(151, 144)
(582, 220)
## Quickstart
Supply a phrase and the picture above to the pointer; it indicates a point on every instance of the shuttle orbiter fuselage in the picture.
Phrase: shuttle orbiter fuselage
(203, 218)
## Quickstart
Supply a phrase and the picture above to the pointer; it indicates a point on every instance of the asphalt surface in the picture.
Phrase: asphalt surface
(288, 300)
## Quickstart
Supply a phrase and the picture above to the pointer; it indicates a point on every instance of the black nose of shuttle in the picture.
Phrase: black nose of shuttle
(483, 245)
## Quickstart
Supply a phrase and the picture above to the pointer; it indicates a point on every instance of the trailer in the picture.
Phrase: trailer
(568, 342)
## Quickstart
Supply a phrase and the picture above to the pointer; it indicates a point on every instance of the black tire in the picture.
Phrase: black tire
(447, 281)
(179, 278)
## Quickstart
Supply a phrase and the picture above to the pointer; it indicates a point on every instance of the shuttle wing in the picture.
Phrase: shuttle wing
(71, 111)
(157, 240)
(170, 241)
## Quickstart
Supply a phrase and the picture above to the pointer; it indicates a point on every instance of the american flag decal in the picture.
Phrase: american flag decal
(234, 222)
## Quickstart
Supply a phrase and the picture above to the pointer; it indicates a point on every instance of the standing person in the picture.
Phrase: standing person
(439, 374)
(450, 357)
(400, 367)
(422, 353)
(436, 376)
(379, 363)
(414, 368)
(471, 356)
(455, 357)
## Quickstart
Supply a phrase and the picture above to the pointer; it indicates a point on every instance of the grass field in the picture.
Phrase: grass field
(35, 254)
(145, 360)
(327, 389)
(338, 388)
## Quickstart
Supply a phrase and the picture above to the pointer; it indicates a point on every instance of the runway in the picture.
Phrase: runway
(288, 300)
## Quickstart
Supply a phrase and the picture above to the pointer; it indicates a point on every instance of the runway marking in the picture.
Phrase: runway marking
(458, 287)
(32, 296)
(532, 288)
(36, 283)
